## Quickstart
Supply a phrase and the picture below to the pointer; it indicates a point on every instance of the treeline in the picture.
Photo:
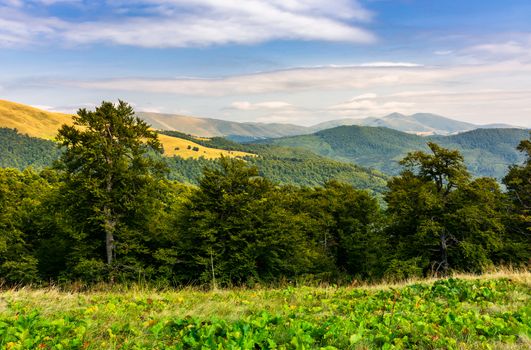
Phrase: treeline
(107, 212)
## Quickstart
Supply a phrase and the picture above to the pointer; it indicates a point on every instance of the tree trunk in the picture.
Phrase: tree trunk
(109, 227)
(444, 253)
(109, 223)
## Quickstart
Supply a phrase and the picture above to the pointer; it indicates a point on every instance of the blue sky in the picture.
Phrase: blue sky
(294, 61)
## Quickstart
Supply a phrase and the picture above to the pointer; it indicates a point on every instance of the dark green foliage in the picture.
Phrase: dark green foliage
(487, 152)
(298, 167)
(440, 217)
(518, 182)
(349, 227)
(20, 194)
(22, 151)
(108, 182)
(236, 230)
(187, 170)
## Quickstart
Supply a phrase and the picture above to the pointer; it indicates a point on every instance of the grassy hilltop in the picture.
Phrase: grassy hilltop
(43, 124)
(466, 312)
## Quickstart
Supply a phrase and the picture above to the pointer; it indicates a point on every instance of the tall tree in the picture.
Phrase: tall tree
(107, 165)
(438, 214)
(518, 183)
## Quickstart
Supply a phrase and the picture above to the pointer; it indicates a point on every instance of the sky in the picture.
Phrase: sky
(289, 61)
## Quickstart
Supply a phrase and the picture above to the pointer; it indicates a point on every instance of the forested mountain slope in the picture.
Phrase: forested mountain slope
(22, 151)
(487, 152)
(280, 164)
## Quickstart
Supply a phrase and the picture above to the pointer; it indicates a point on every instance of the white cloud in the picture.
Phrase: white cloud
(492, 92)
(518, 47)
(390, 64)
(367, 96)
(370, 104)
(53, 2)
(44, 107)
(248, 106)
(443, 52)
(370, 107)
(180, 23)
(510, 48)
(12, 3)
(19, 29)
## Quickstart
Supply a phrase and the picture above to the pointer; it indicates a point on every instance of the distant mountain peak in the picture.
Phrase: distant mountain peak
(395, 115)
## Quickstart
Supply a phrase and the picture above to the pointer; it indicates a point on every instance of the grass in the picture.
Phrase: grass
(32, 121)
(174, 146)
(465, 312)
(43, 124)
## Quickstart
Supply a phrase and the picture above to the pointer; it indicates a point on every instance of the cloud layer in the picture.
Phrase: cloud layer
(310, 79)
(185, 23)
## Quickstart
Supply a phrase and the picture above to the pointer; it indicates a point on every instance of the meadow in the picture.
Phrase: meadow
(463, 312)
(44, 124)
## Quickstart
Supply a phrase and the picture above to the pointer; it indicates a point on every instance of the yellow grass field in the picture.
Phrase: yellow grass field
(43, 124)
(32, 121)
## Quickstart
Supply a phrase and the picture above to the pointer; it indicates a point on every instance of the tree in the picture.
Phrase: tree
(350, 228)
(20, 194)
(518, 183)
(440, 218)
(236, 229)
(107, 167)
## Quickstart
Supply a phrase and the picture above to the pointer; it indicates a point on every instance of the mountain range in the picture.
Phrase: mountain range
(306, 159)
(419, 123)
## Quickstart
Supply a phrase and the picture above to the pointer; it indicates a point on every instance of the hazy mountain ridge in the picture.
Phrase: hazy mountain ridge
(209, 127)
(419, 123)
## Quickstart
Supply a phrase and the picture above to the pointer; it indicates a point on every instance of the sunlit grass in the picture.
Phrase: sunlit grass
(43, 124)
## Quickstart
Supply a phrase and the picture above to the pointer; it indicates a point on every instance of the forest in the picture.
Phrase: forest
(108, 211)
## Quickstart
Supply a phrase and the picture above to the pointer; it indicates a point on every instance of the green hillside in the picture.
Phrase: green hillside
(487, 152)
(22, 151)
(279, 164)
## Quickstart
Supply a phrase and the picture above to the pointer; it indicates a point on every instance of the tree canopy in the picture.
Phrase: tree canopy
(107, 169)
